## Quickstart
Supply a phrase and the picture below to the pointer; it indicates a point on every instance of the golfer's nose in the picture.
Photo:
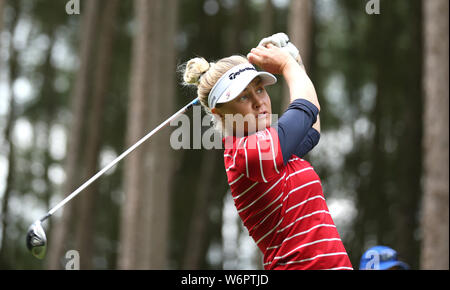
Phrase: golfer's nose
(257, 102)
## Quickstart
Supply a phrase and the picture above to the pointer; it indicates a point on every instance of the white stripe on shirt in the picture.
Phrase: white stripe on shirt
(301, 170)
(275, 209)
(273, 152)
(260, 161)
(270, 231)
(246, 162)
(245, 191)
(313, 258)
(300, 187)
(234, 157)
(266, 217)
(275, 200)
(234, 181)
(305, 245)
(301, 233)
(302, 217)
(252, 203)
(296, 158)
(305, 201)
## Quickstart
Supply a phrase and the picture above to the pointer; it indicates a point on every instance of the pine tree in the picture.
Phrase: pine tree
(435, 216)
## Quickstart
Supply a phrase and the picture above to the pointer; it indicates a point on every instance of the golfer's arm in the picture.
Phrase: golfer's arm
(301, 86)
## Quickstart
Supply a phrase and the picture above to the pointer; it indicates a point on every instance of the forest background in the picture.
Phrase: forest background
(76, 89)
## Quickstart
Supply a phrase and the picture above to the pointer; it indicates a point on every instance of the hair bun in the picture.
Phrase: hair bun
(195, 68)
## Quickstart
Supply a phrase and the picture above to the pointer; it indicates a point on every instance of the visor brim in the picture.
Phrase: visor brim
(237, 88)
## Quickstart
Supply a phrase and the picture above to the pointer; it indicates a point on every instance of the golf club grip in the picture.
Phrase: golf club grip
(119, 158)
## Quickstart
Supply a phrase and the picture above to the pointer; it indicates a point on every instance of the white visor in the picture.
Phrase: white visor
(234, 81)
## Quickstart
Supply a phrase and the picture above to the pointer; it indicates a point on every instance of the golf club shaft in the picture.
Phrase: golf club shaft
(115, 161)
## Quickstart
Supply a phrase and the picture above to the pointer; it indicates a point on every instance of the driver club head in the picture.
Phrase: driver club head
(36, 240)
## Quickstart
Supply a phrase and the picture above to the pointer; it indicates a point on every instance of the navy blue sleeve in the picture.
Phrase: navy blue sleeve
(294, 129)
(309, 142)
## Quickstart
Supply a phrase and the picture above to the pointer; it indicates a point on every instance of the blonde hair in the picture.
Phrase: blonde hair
(204, 75)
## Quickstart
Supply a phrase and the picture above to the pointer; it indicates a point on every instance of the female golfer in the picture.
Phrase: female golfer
(277, 194)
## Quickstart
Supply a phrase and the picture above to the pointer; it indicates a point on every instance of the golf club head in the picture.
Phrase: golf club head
(36, 240)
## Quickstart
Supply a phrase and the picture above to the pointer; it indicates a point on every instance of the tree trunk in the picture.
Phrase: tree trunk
(132, 225)
(435, 216)
(266, 22)
(86, 208)
(299, 27)
(199, 222)
(160, 154)
(145, 215)
(10, 121)
(239, 22)
(48, 97)
(72, 167)
(299, 32)
(2, 4)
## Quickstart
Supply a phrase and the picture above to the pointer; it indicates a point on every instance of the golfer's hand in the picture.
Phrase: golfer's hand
(281, 40)
(271, 58)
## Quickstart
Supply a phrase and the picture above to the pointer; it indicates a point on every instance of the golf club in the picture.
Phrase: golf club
(36, 239)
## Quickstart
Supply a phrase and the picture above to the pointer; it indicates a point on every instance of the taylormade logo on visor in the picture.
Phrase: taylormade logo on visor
(232, 76)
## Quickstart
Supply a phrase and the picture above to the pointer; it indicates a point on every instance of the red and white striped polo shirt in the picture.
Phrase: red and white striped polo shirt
(282, 206)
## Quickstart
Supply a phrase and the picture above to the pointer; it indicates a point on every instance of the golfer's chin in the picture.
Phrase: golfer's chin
(260, 123)
(263, 122)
